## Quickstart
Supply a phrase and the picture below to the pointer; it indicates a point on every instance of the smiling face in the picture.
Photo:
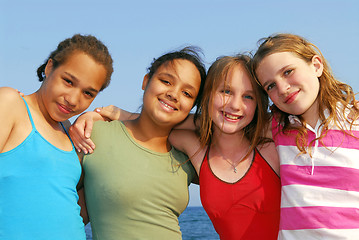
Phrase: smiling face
(70, 88)
(170, 93)
(291, 83)
(234, 102)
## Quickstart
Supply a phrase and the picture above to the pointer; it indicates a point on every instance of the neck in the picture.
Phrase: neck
(37, 104)
(230, 144)
(149, 135)
(311, 116)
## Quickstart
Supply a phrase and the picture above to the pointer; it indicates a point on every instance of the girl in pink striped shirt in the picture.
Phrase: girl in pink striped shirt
(317, 142)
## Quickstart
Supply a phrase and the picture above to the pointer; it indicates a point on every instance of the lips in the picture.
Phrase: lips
(232, 117)
(291, 97)
(167, 106)
(64, 109)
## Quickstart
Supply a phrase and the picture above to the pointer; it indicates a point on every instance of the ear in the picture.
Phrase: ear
(49, 67)
(318, 65)
(145, 81)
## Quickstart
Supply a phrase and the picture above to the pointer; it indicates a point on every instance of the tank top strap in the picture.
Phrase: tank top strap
(29, 113)
(205, 158)
(68, 135)
(207, 152)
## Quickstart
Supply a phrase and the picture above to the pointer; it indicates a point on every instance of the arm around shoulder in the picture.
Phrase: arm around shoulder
(187, 141)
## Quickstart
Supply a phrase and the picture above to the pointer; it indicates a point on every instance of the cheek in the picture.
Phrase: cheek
(84, 104)
(188, 105)
(273, 97)
(219, 100)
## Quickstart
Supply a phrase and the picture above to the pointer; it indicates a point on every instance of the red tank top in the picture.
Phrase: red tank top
(246, 209)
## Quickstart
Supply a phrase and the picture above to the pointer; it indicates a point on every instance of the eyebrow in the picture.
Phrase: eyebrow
(167, 75)
(189, 86)
(77, 80)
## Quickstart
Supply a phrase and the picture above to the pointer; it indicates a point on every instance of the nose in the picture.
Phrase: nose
(283, 86)
(172, 94)
(73, 97)
(235, 102)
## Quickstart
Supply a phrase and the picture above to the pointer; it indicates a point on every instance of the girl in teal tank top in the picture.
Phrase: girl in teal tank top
(39, 167)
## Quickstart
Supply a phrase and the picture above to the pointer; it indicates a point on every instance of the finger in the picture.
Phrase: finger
(83, 145)
(88, 128)
(109, 112)
(76, 139)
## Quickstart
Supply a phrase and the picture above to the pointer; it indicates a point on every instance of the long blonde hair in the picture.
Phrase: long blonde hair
(331, 90)
(217, 73)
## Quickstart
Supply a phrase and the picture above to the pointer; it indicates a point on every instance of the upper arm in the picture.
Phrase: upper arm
(10, 102)
(187, 124)
(187, 141)
(111, 112)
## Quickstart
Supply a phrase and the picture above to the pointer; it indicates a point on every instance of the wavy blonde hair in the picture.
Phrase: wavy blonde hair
(331, 90)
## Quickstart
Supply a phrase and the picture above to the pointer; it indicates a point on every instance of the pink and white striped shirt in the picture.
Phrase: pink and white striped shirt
(320, 194)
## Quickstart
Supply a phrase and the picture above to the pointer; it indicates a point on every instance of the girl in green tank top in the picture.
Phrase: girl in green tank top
(136, 183)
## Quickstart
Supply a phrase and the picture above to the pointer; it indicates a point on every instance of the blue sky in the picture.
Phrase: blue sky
(138, 31)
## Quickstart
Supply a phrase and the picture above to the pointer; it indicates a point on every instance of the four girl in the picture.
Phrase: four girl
(136, 183)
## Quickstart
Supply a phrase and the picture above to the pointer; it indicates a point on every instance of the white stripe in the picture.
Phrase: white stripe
(301, 195)
(315, 234)
(341, 157)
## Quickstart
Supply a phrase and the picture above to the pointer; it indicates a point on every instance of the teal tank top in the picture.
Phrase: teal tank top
(38, 196)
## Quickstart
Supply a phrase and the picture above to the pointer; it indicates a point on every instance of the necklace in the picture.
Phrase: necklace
(235, 165)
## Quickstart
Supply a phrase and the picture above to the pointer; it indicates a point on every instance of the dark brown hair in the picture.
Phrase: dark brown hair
(87, 44)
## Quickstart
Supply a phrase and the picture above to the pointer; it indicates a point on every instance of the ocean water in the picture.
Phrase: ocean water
(194, 223)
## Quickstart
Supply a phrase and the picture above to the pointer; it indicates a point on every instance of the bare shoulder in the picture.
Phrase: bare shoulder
(13, 112)
(10, 100)
(8, 93)
(270, 154)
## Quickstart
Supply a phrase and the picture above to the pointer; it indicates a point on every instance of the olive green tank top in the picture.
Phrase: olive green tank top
(131, 191)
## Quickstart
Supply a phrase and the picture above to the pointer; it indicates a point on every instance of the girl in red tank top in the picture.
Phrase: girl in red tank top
(237, 165)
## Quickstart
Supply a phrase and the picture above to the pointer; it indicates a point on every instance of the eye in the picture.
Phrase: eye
(89, 94)
(187, 94)
(68, 82)
(226, 91)
(270, 86)
(248, 97)
(165, 82)
(287, 72)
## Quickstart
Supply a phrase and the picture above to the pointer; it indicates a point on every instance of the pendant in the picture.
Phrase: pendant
(235, 170)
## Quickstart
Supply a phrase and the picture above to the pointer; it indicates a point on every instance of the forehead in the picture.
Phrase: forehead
(279, 58)
(273, 63)
(182, 70)
(237, 77)
(85, 70)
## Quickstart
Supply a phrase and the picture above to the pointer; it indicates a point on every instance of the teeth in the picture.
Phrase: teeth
(167, 105)
(231, 116)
